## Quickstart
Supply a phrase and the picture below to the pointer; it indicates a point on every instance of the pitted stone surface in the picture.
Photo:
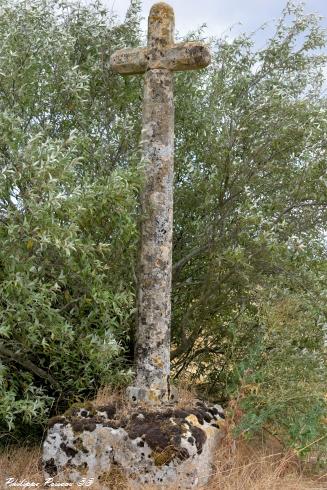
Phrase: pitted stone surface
(170, 446)
(158, 61)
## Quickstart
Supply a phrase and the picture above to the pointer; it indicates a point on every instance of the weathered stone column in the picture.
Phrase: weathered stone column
(165, 446)
(154, 304)
(153, 329)
(157, 61)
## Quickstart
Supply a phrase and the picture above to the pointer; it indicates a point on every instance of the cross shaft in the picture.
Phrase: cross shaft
(158, 60)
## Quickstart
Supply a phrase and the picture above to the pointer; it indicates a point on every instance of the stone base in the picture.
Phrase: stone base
(164, 447)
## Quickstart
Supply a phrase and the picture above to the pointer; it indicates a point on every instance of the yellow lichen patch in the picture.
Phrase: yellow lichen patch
(193, 420)
(157, 361)
(29, 244)
(210, 431)
(153, 396)
(162, 457)
(161, 9)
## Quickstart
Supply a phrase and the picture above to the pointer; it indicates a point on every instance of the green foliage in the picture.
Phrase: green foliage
(250, 224)
(68, 190)
(282, 381)
(249, 294)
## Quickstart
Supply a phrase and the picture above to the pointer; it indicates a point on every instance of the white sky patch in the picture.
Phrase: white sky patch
(220, 15)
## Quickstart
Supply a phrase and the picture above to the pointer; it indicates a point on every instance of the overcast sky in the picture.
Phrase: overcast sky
(220, 15)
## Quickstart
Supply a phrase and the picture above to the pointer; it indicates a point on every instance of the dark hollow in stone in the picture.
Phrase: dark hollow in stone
(50, 467)
(70, 451)
(199, 436)
(200, 415)
(216, 412)
(183, 454)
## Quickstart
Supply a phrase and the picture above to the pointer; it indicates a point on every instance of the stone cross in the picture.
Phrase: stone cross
(157, 61)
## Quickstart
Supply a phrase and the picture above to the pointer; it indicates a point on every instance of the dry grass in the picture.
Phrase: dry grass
(251, 467)
(20, 463)
(107, 395)
(24, 464)
(244, 467)
(261, 465)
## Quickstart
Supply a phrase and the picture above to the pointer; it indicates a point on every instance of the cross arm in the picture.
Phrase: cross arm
(186, 56)
(179, 57)
(129, 61)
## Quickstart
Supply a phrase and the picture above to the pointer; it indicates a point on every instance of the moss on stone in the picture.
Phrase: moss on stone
(163, 430)
(76, 408)
(109, 410)
(81, 424)
(157, 429)
(57, 420)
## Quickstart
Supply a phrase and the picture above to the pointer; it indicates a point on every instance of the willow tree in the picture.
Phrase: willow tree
(68, 203)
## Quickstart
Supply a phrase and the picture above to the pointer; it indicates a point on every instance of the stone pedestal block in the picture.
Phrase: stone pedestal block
(164, 447)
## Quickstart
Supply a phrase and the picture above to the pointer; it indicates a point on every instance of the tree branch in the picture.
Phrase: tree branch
(27, 364)
(193, 253)
(303, 204)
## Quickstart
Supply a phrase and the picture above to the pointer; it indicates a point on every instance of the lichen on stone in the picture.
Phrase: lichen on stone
(81, 408)
(147, 445)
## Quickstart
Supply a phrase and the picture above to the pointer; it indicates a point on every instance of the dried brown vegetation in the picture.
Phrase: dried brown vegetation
(262, 464)
(258, 465)
(254, 467)
(239, 466)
